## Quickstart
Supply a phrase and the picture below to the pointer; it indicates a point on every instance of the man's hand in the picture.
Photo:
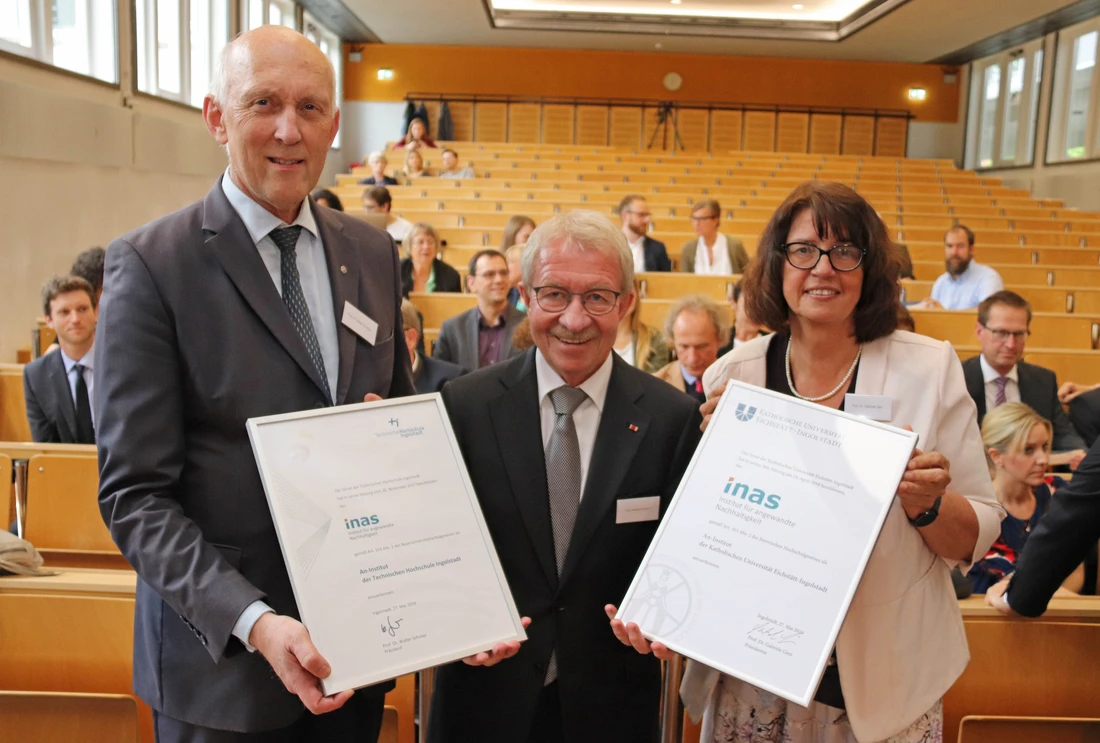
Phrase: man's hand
(371, 397)
(708, 408)
(925, 479)
(501, 651)
(631, 634)
(1075, 458)
(1068, 391)
(1069, 458)
(928, 304)
(285, 643)
(995, 597)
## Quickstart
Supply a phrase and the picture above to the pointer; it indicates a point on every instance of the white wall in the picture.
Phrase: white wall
(365, 127)
(935, 140)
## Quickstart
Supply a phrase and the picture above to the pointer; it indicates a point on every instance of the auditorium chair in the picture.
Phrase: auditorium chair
(68, 717)
(986, 729)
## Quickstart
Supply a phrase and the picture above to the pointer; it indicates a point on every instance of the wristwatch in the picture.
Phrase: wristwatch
(926, 518)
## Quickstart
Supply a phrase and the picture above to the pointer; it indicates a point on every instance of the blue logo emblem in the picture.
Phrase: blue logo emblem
(744, 415)
(395, 422)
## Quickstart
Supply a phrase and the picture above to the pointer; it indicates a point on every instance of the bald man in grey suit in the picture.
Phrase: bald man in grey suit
(235, 307)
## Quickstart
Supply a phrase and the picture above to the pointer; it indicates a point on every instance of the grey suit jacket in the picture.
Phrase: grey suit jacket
(194, 339)
(739, 259)
(50, 408)
(457, 340)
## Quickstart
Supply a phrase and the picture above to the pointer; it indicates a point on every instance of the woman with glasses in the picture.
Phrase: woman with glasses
(712, 252)
(421, 268)
(825, 279)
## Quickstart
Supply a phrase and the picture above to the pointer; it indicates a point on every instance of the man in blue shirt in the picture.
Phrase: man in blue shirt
(966, 282)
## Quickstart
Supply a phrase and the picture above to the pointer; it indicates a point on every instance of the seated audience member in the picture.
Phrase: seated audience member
(88, 265)
(421, 268)
(324, 197)
(377, 162)
(966, 282)
(711, 252)
(1084, 409)
(516, 231)
(482, 335)
(1000, 375)
(1017, 440)
(414, 166)
(58, 387)
(905, 319)
(377, 200)
(649, 254)
(514, 256)
(450, 167)
(429, 374)
(696, 329)
(417, 136)
(744, 328)
(640, 345)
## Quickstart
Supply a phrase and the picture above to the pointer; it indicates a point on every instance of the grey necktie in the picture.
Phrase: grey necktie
(563, 478)
(286, 238)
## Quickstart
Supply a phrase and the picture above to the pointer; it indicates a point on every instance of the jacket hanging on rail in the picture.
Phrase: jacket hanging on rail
(445, 130)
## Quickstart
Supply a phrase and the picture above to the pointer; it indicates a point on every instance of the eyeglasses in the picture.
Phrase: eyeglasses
(703, 219)
(639, 214)
(805, 256)
(596, 302)
(1002, 336)
(501, 274)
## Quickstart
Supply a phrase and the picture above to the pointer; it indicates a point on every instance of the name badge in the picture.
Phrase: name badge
(357, 322)
(875, 407)
(630, 510)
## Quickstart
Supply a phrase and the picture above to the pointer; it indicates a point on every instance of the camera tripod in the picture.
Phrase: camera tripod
(666, 114)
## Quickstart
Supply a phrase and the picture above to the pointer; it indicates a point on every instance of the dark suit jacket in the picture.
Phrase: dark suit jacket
(656, 256)
(457, 342)
(608, 691)
(194, 339)
(433, 374)
(50, 408)
(1038, 389)
(1084, 414)
(1060, 543)
(446, 278)
(370, 181)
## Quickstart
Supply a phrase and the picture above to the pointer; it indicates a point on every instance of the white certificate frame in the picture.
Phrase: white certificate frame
(739, 390)
(309, 614)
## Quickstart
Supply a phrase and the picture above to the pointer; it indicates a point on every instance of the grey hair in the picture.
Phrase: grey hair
(377, 155)
(582, 229)
(410, 318)
(219, 80)
(698, 303)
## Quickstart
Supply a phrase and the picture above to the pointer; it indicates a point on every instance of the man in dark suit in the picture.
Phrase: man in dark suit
(648, 254)
(574, 455)
(251, 302)
(1059, 544)
(482, 335)
(429, 374)
(58, 387)
(1084, 414)
(1000, 375)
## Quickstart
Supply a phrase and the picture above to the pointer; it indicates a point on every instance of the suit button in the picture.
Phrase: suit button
(559, 608)
(540, 667)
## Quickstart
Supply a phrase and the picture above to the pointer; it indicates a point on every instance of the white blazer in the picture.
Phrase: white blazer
(902, 644)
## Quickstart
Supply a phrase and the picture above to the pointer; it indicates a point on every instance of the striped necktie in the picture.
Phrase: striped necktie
(286, 238)
(1000, 399)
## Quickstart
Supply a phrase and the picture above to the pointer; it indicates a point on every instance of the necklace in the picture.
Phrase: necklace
(827, 395)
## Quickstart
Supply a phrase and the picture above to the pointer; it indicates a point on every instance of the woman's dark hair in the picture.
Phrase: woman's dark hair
(842, 214)
(332, 201)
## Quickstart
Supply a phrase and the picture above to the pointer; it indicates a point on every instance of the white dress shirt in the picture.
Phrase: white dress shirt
(989, 376)
(637, 249)
(628, 352)
(87, 360)
(721, 264)
(587, 415)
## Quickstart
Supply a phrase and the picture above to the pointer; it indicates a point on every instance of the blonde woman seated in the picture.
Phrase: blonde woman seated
(712, 252)
(1017, 440)
(414, 166)
(421, 269)
(640, 345)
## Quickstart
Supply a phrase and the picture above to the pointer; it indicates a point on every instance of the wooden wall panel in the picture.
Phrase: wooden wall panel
(760, 131)
(433, 118)
(462, 114)
(891, 137)
(725, 131)
(825, 134)
(557, 124)
(525, 122)
(859, 135)
(491, 122)
(626, 127)
(792, 132)
(693, 124)
(592, 125)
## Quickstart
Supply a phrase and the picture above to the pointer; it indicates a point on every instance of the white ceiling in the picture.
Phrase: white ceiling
(917, 31)
(805, 10)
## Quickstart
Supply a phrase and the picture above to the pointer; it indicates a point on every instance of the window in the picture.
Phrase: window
(1080, 91)
(330, 45)
(76, 35)
(178, 42)
(268, 12)
(1004, 97)
(1074, 131)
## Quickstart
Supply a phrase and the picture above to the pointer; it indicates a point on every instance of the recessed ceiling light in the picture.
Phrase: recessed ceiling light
(798, 6)
(675, 2)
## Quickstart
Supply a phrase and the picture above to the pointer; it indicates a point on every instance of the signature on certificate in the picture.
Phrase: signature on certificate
(775, 632)
(391, 626)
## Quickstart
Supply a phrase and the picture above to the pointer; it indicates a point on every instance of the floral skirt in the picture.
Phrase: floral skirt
(744, 714)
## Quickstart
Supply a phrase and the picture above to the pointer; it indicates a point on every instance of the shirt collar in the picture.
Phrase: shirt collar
(989, 374)
(687, 377)
(87, 361)
(595, 386)
(416, 363)
(482, 323)
(259, 221)
(637, 243)
(964, 275)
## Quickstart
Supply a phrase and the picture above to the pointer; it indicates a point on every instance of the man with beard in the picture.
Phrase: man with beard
(966, 282)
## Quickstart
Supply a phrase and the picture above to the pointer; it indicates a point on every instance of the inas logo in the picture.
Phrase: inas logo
(395, 422)
(751, 494)
(361, 522)
(744, 415)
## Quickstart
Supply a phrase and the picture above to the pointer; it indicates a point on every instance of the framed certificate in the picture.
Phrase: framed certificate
(757, 559)
(391, 563)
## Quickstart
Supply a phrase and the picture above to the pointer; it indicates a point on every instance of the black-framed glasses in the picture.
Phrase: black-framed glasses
(704, 218)
(1002, 336)
(595, 302)
(805, 256)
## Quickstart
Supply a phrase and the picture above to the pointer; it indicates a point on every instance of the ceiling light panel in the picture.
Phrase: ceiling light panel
(774, 10)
